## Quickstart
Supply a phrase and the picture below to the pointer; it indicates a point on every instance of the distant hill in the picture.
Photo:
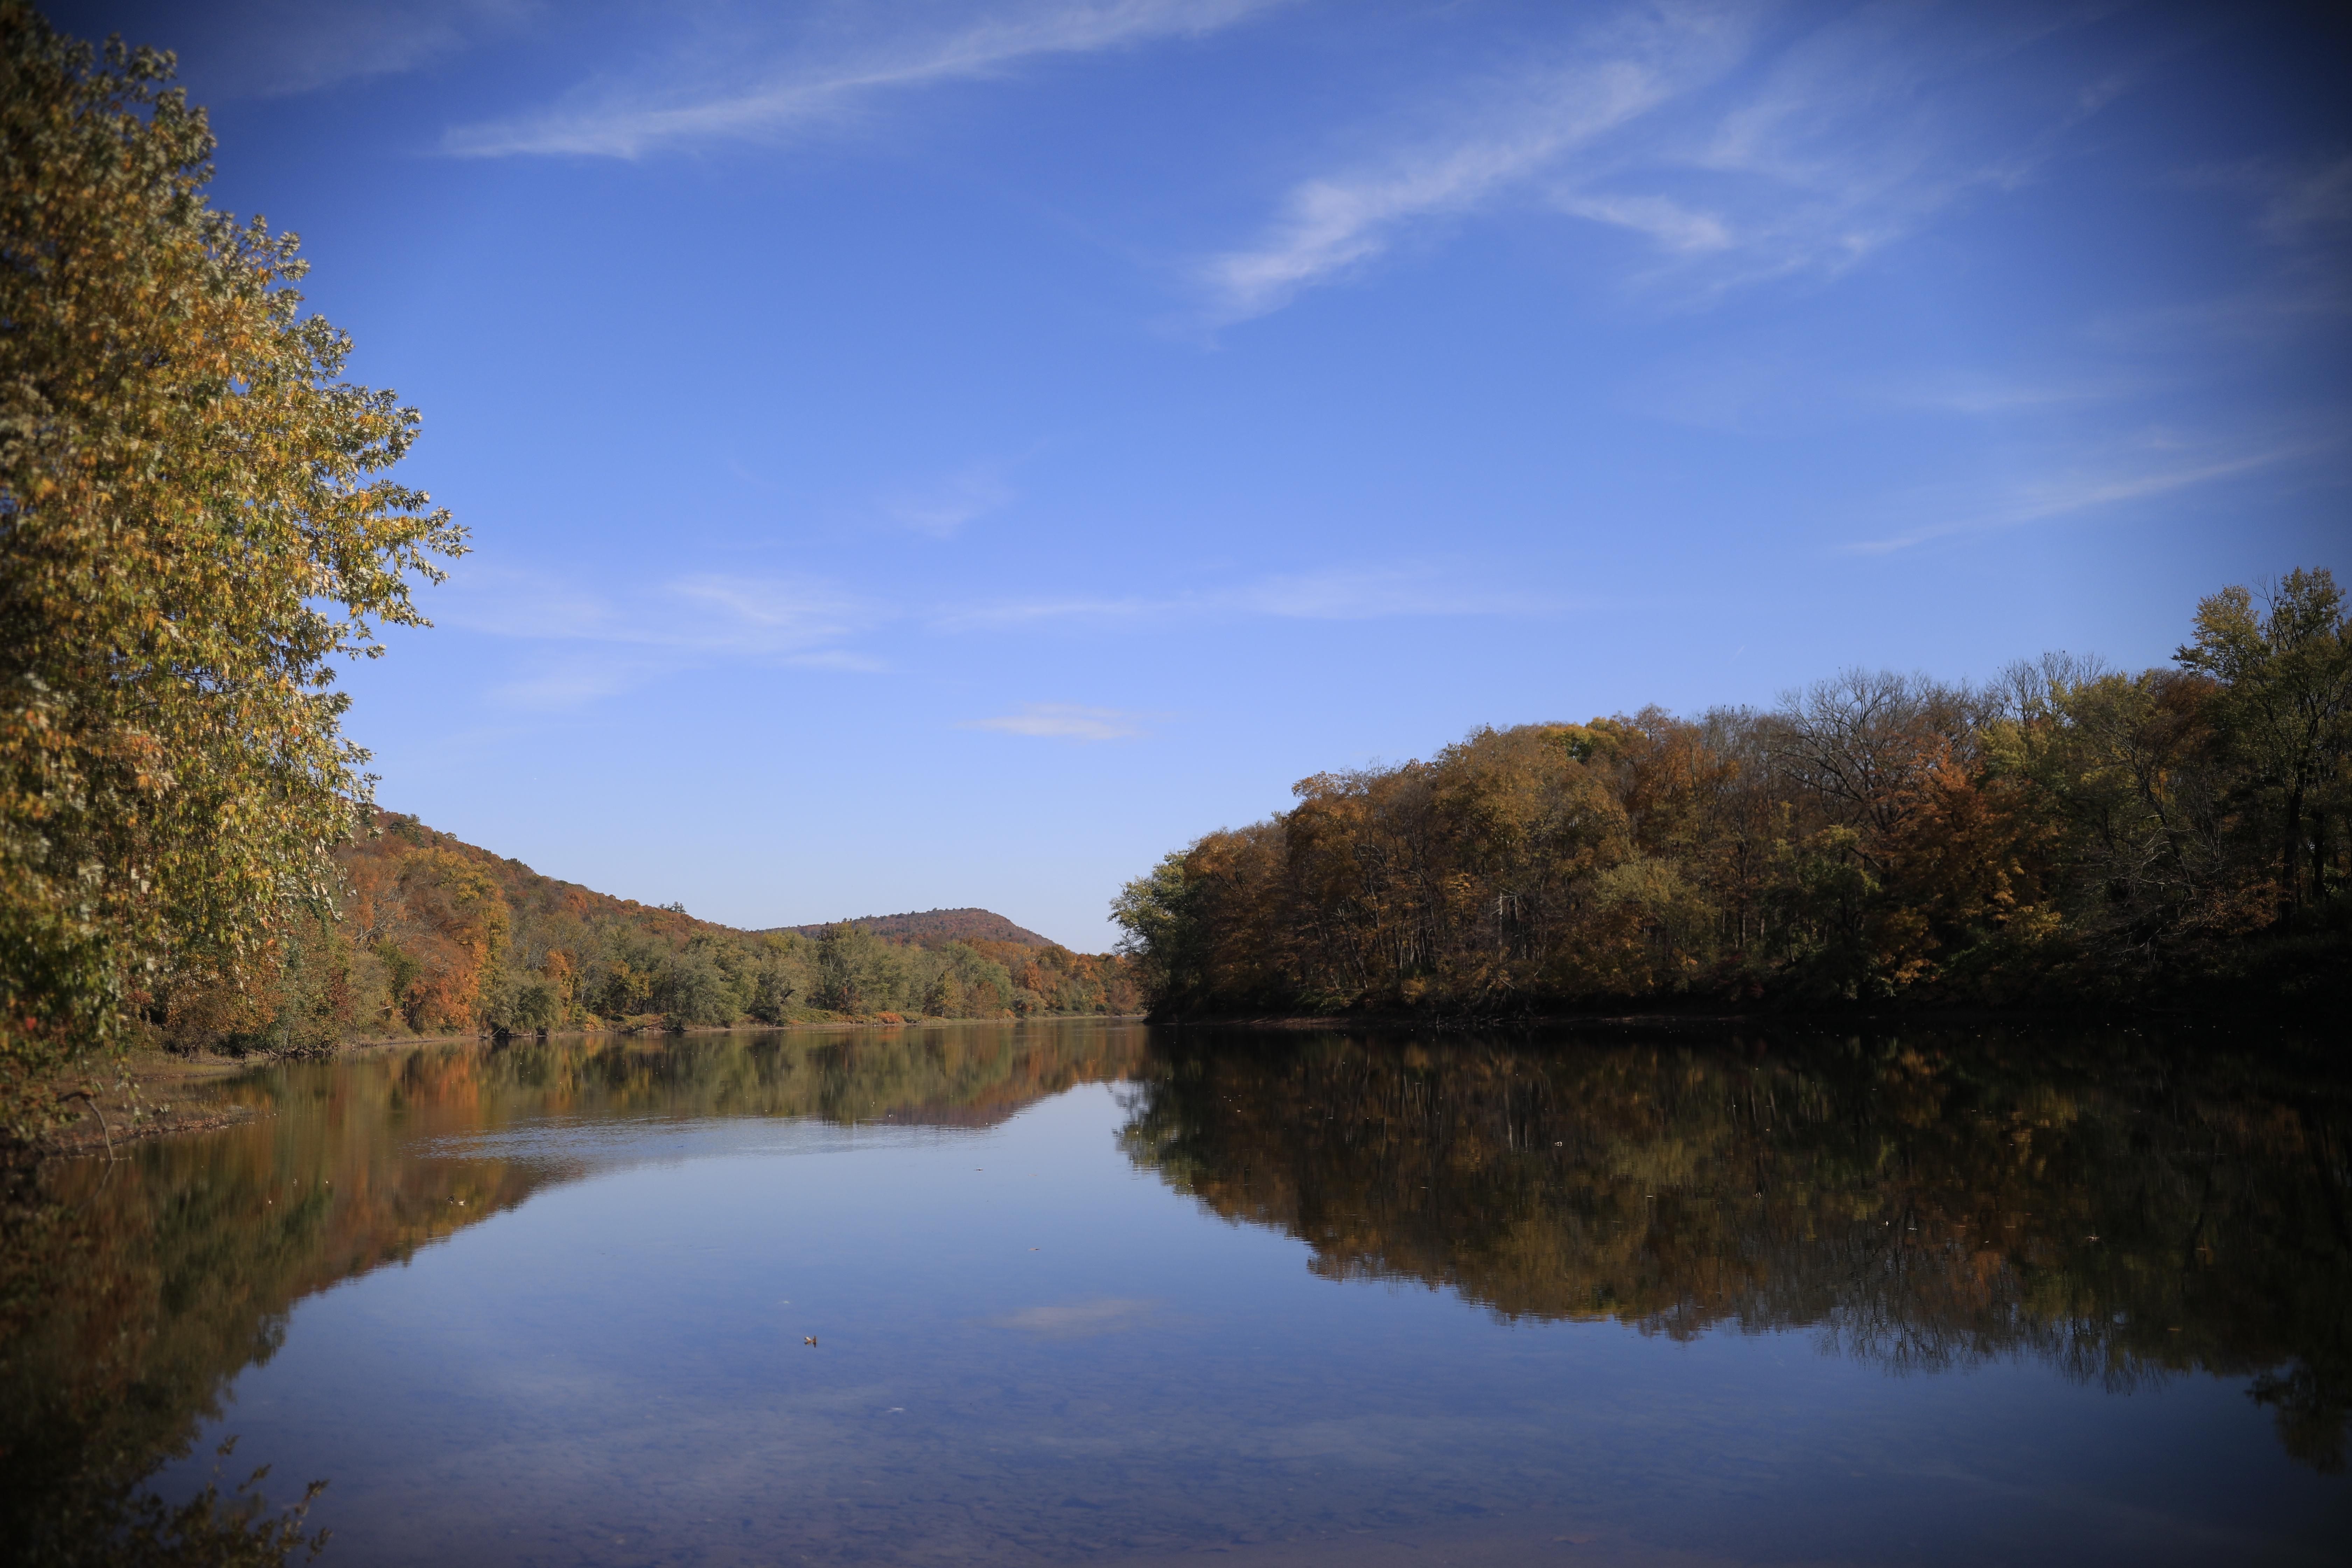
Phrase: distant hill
(436, 936)
(935, 928)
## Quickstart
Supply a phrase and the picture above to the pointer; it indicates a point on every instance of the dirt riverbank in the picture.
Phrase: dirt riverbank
(145, 1094)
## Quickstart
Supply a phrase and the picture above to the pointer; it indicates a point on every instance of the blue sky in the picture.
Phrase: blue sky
(953, 452)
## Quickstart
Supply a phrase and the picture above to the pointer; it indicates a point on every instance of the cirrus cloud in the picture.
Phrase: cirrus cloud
(843, 60)
(1063, 721)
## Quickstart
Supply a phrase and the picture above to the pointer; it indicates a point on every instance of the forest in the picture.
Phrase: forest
(431, 936)
(930, 926)
(2068, 833)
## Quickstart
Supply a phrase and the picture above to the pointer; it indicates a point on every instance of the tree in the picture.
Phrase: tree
(856, 972)
(771, 992)
(193, 524)
(2287, 698)
(1859, 743)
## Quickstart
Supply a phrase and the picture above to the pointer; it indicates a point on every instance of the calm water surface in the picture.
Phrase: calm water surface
(1090, 1292)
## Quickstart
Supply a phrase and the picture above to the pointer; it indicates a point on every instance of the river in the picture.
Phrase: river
(1098, 1292)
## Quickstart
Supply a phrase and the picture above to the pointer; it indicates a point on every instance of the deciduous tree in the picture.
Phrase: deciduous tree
(194, 523)
(2286, 678)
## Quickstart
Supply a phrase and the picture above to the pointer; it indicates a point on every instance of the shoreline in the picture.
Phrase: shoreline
(143, 1100)
(127, 1110)
(2218, 1010)
(106, 1120)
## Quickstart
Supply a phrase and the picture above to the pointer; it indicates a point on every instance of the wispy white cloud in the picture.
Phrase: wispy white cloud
(1066, 608)
(842, 659)
(1738, 151)
(591, 644)
(1332, 224)
(2306, 286)
(1354, 594)
(941, 510)
(843, 60)
(2302, 211)
(773, 616)
(2153, 467)
(1855, 133)
(2295, 204)
(2308, 202)
(1673, 225)
(1063, 721)
(552, 681)
(585, 644)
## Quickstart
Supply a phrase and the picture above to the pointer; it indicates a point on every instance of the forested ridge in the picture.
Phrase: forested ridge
(432, 935)
(930, 927)
(2069, 832)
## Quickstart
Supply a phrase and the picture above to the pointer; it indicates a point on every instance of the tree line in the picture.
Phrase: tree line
(2069, 831)
(432, 935)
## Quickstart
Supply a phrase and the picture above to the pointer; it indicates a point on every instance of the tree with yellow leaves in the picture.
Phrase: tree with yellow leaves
(193, 523)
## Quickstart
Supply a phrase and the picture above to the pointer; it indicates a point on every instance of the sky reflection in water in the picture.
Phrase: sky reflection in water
(1091, 1293)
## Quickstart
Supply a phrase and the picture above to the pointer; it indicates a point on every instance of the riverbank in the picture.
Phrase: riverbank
(144, 1094)
(1623, 1024)
(655, 1026)
(2306, 998)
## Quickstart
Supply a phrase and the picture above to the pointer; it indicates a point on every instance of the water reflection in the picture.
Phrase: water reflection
(1048, 1360)
(132, 1292)
(2123, 1212)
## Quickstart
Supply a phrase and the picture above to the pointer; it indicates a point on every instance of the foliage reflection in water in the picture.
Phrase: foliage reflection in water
(2119, 1267)
(134, 1292)
(2121, 1214)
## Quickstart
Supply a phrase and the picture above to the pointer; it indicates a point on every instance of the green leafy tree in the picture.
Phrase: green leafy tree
(857, 971)
(839, 980)
(1155, 912)
(771, 994)
(698, 995)
(2287, 699)
(193, 524)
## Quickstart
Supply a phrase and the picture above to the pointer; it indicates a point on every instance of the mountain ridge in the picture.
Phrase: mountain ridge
(931, 928)
(433, 936)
